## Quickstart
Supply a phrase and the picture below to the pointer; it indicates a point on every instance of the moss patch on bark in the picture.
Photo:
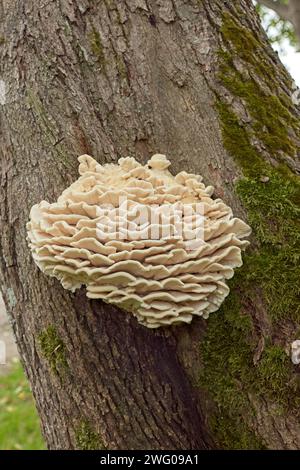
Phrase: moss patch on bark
(271, 196)
(87, 438)
(53, 349)
(97, 47)
(271, 271)
(270, 111)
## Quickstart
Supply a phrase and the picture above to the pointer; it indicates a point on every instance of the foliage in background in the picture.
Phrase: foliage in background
(19, 423)
(277, 29)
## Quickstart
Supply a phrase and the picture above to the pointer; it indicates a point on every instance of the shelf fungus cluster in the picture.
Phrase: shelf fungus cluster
(153, 244)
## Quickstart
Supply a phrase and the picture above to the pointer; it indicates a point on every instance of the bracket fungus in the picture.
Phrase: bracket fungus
(153, 244)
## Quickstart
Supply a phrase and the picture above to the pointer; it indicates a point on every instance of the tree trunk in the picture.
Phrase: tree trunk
(198, 81)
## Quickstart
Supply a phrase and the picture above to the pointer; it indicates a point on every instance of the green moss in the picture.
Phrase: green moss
(234, 434)
(272, 118)
(237, 141)
(273, 206)
(273, 373)
(230, 376)
(87, 438)
(271, 112)
(273, 212)
(227, 363)
(97, 47)
(245, 43)
(228, 352)
(53, 349)
(247, 46)
(271, 268)
(2, 40)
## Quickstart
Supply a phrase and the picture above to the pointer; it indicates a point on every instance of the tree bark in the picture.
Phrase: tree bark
(113, 79)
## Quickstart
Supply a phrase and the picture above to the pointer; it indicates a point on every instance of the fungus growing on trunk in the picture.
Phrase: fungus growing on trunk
(155, 245)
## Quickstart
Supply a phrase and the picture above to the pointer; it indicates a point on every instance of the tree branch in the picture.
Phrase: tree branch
(279, 8)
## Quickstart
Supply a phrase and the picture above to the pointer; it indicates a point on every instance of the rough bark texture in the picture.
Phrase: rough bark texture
(114, 79)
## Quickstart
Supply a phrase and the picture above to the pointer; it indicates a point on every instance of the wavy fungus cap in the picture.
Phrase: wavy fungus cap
(124, 232)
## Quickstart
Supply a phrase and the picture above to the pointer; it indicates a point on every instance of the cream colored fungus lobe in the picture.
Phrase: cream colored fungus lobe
(88, 238)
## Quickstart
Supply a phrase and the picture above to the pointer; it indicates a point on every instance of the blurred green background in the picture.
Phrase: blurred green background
(19, 422)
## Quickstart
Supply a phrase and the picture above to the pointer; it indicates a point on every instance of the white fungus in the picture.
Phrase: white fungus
(120, 231)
